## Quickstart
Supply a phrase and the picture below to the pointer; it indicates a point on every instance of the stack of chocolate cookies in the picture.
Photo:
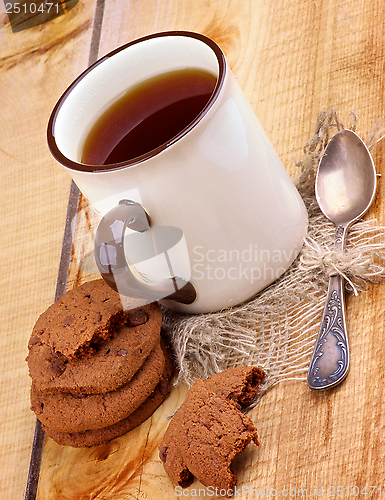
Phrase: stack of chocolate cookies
(97, 370)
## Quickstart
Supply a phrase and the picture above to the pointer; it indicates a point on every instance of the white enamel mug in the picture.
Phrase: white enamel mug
(212, 215)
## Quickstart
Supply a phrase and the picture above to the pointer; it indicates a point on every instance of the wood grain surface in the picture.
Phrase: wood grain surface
(293, 59)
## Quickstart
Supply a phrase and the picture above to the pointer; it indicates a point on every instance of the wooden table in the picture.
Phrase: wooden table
(293, 59)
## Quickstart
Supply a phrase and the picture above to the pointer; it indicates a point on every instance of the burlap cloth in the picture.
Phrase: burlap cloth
(277, 329)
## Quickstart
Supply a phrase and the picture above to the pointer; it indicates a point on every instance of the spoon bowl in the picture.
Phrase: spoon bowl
(345, 188)
(346, 179)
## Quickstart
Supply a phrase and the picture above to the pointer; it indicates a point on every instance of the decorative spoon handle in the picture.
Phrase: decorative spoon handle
(330, 361)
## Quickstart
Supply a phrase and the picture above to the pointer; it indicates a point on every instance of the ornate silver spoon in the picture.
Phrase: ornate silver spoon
(345, 188)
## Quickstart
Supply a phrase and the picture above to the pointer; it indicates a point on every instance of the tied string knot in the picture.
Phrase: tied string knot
(358, 264)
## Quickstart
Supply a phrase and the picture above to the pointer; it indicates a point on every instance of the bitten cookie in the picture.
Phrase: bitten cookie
(239, 384)
(113, 364)
(101, 436)
(83, 316)
(209, 430)
(67, 412)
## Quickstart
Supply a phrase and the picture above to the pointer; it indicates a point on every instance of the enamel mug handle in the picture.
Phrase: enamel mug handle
(112, 263)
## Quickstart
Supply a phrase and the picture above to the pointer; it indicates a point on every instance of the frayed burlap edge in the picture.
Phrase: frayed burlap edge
(277, 329)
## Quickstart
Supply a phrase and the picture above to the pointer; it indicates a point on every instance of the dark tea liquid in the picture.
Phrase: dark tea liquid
(147, 116)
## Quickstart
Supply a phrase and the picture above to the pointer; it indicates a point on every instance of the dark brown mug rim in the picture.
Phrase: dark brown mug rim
(73, 165)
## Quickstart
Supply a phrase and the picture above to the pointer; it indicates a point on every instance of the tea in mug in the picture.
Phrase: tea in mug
(147, 116)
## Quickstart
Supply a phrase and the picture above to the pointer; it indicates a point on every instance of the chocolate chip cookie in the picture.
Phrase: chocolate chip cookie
(67, 412)
(99, 436)
(83, 316)
(239, 384)
(112, 365)
(209, 429)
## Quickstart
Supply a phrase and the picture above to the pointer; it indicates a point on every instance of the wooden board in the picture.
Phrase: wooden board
(293, 59)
